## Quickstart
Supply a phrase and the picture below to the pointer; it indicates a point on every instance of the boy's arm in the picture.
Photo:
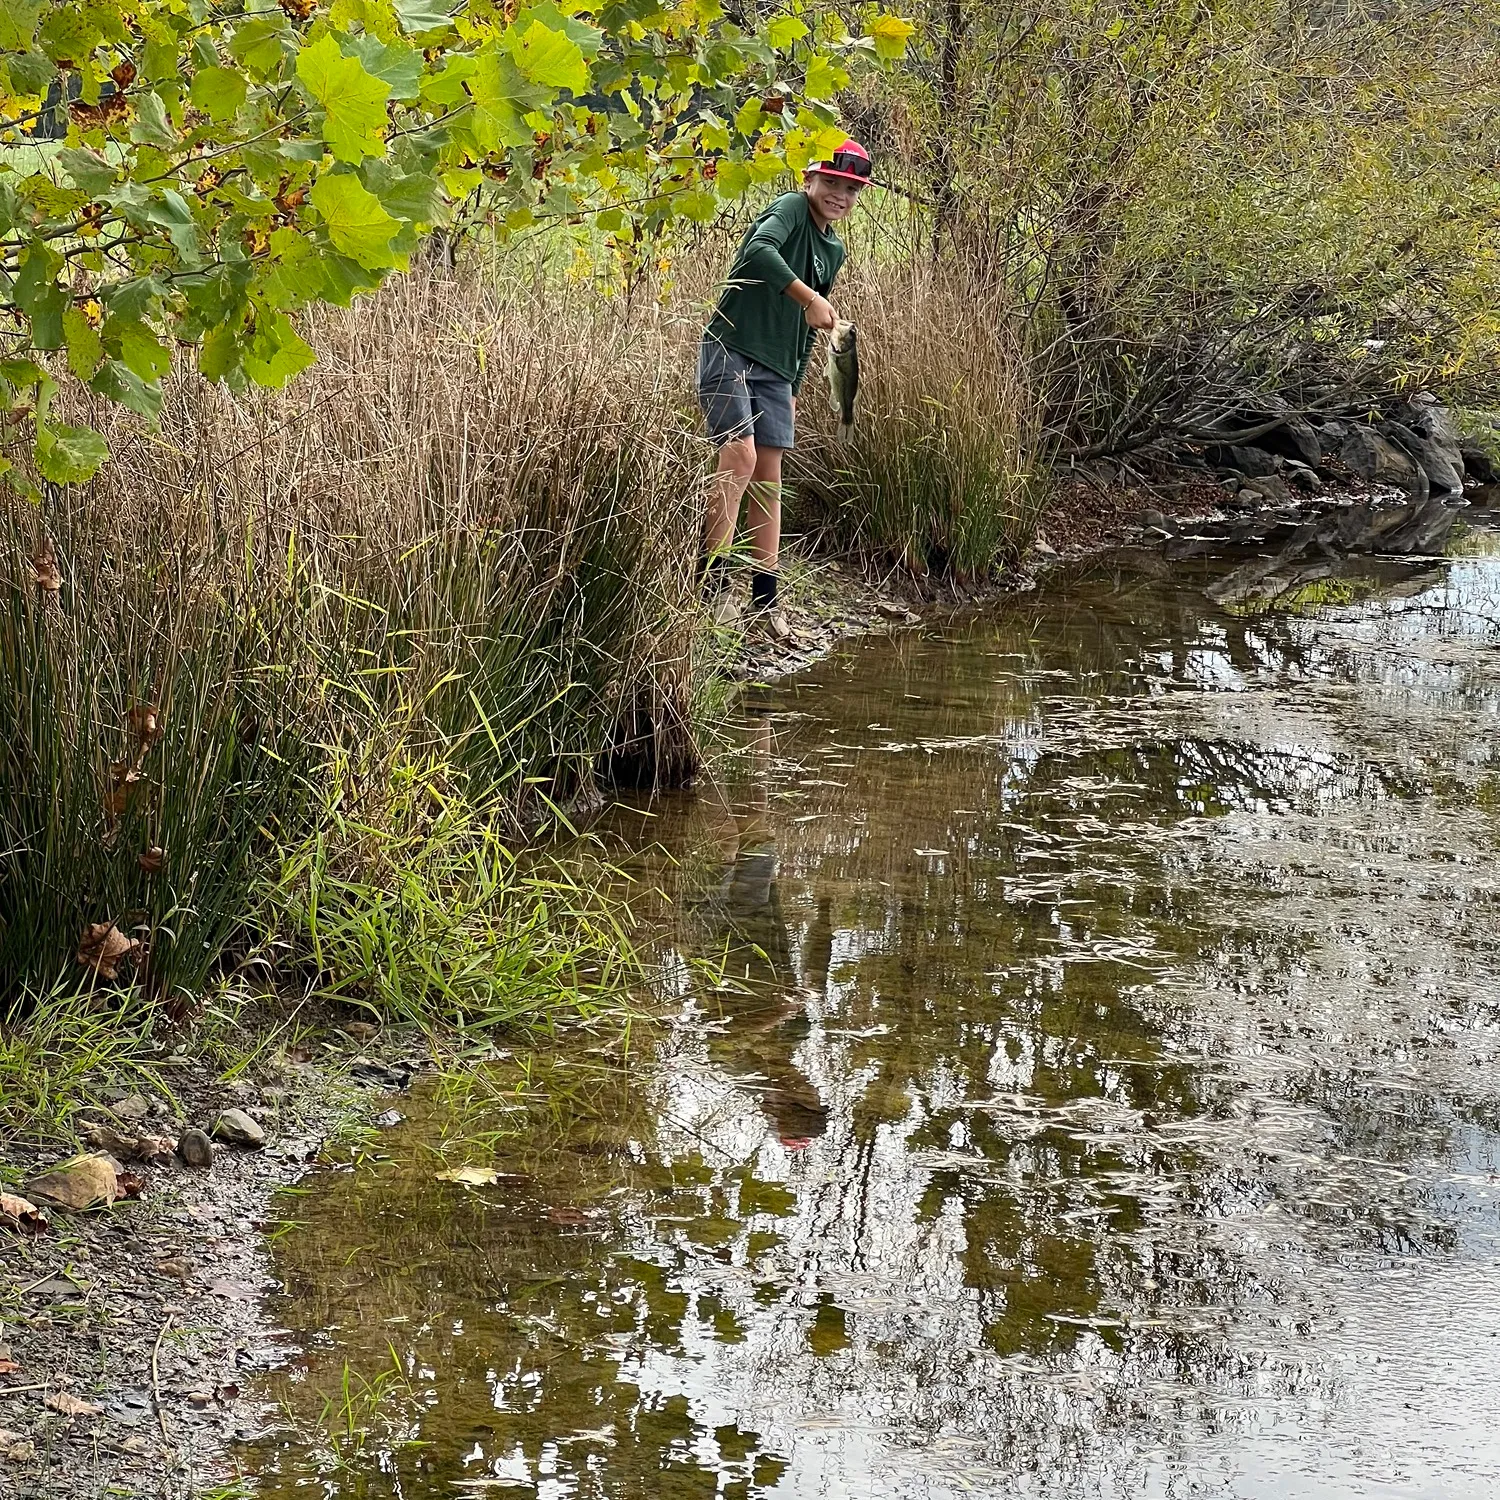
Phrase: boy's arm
(762, 261)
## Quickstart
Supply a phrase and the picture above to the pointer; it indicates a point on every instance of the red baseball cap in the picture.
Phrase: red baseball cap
(851, 160)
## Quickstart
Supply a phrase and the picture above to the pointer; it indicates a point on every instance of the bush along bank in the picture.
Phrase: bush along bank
(282, 690)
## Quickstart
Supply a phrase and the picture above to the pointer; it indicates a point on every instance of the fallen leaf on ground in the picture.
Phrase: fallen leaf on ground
(20, 1453)
(471, 1176)
(20, 1213)
(71, 1406)
(8, 1367)
(132, 1184)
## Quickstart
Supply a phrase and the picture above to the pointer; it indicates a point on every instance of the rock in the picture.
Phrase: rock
(17, 1213)
(1043, 548)
(1252, 462)
(1331, 437)
(1378, 461)
(132, 1109)
(1478, 465)
(1295, 438)
(1304, 478)
(1433, 423)
(1444, 469)
(361, 1031)
(81, 1182)
(1151, 519)
(1274, 487)
(236, 1128)
(127, 1147)
(195, 1148)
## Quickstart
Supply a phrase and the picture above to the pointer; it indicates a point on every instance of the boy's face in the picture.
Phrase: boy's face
(832, 197)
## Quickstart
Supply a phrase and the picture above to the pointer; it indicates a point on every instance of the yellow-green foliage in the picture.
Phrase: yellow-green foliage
(1197, 191)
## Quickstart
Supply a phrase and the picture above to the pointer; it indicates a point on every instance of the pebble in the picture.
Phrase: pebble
(236, 1128)
(132, 1109)
(195, 1148)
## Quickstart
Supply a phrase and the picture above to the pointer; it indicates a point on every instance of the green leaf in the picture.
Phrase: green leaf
(38, 295)
(747, 118)
(85, 347)
(276, 351)
(260, 43)
(353, 102)
(70, 33)
(412, 196)
(18, 20)
(68, 455)
(152, 125)
(549, 57)
(30, 73)
(890, 35)
(124, 385)
(589, 38)
(396, 63)
(219, 354)
(357, 224)
(502, 98)
(138, 347)
(21, 373)
(423, 15)
(87, 168)
(218, 92)
(823, 79)
(783, 31)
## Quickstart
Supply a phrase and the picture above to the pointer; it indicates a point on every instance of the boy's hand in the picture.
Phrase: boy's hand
(818, 313)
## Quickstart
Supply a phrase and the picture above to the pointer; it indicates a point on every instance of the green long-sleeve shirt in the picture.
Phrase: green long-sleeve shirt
(755, 317)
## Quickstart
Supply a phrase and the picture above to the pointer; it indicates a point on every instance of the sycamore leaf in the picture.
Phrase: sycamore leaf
(218, 92)
(353, 102)
(824, 80)
(549, 57)
(470, 1176)
(783, 31)
(85, 347)
(276, 351)
(357, 224)
(87, 168)
(890, 35)
(123, 385)
(138, 347)
(423, 15)
(18, 20)
(68, 455)
(399, 65)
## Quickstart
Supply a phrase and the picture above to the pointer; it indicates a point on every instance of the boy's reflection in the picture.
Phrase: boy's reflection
(767, 1020)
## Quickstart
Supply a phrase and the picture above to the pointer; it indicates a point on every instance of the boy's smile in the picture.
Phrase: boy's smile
(831, 198)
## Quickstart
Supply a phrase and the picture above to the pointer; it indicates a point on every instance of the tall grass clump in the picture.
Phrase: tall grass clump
(943, 473)
(447, 571)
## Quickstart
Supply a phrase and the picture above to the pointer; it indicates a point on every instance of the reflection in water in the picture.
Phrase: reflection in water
(1080, 1081)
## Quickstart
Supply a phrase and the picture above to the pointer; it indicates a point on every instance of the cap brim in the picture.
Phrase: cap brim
(847, 176)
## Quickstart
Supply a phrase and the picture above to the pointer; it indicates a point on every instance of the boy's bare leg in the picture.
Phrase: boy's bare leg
(763, 521)
(737, 462)
(763, 513)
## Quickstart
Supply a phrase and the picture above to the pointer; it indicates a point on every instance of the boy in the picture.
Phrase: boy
(751, 366)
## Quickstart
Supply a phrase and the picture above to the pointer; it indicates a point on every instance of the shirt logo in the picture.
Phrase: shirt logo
(819, 269)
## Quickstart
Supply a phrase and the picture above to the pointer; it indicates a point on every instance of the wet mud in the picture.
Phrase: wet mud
(1077, 1075)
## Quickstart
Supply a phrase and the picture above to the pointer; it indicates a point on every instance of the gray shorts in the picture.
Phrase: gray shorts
(741, 398)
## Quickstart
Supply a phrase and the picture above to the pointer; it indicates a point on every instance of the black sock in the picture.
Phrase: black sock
(713, 574)
(763, 589)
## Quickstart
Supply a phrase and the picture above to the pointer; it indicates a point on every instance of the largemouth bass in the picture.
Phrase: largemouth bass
(843, 375)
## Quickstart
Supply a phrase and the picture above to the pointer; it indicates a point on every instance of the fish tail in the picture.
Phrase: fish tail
(846, 432)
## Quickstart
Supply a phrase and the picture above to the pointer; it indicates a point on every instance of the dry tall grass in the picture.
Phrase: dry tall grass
(456, 553)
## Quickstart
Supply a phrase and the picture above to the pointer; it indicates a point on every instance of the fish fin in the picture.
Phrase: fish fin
(846, 432)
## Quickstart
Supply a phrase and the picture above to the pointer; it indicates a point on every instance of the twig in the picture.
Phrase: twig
(161, 1416)
(15, 1390)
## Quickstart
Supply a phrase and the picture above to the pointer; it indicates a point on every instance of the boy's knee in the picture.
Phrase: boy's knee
(739, 455)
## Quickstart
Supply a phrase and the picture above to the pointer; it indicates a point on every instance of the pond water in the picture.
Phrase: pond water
(1079, 1078)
